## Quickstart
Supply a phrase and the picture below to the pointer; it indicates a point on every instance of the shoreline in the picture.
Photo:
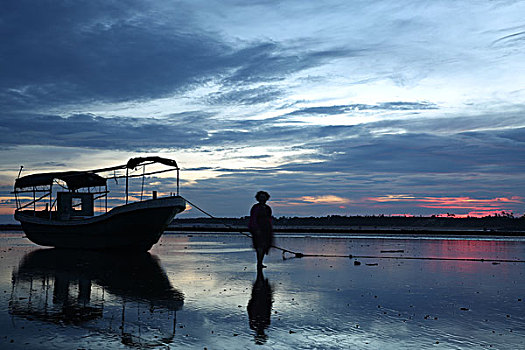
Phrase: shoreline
(172, 229)
(352, 230)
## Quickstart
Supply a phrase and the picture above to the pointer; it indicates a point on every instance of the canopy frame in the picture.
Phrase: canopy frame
(75, 180)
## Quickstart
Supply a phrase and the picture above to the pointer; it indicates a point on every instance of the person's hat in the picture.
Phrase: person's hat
(262, 193)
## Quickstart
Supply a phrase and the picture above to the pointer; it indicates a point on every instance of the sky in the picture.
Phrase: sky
(334, 107)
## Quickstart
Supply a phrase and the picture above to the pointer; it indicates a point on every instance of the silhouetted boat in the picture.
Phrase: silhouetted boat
(70, 221)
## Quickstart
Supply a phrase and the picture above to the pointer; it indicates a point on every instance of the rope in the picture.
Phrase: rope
(297, 255)
(350, 256)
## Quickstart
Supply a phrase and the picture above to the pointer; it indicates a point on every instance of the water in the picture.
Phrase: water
(202, 291)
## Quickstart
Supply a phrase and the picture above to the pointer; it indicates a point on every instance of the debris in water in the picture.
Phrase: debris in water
(357, 263)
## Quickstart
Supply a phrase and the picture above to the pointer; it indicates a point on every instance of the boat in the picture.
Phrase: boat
(70, 218)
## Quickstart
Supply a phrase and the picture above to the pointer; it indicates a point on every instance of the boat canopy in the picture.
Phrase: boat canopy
(134, 162)
(73, 179)
(88, 178)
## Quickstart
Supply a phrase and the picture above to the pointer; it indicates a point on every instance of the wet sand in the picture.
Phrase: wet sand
(197, 291)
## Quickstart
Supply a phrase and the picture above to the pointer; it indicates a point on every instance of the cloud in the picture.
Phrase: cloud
(55, 54)
(358, 149)
(328, 199)
(59, 54)
(473, 206)
(84, 130)
(342, 109)
(448, 202)
(240, 96)
(510, 39)
(273, 62)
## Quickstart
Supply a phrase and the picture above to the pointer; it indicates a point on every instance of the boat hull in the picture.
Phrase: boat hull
(135, 226)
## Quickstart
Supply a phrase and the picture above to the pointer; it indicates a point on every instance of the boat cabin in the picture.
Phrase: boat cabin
(74, 204)
(75, 198)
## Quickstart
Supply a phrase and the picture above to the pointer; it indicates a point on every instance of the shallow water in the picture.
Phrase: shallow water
(202, 291)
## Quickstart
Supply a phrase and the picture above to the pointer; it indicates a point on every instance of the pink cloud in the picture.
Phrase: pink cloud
(476, 207)
(309, 200)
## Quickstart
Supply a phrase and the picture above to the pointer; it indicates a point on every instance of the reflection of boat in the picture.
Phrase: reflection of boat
(70, 220)
(70, 287)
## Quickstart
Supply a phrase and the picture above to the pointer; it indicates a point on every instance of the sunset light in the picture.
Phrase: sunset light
(335, 112)
(268, 174)
(475, 207)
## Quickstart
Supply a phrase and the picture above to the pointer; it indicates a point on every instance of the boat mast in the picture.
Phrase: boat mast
(178, 181)
(18, 203)
(50, 199)
(142, 188)
(127, 172)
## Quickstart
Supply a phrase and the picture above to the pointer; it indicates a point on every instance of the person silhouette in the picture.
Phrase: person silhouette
(260, 307)
(260, 226)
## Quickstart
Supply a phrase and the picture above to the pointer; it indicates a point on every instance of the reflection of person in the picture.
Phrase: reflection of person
(260, 227)
(260, 307)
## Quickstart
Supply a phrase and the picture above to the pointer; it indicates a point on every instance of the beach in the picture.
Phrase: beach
(201, 291)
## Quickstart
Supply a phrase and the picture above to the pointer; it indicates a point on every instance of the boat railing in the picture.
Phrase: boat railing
(33, 202)
(85, 182)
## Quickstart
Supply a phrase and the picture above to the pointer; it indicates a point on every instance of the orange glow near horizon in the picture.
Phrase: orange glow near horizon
(7, 211)
(476, 207)
(309, 200)
(442, 206)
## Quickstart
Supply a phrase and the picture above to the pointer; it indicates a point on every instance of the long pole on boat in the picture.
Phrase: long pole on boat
(142, 188)
(18, 204)
(178, 181)
(50, 199)
(127, 172)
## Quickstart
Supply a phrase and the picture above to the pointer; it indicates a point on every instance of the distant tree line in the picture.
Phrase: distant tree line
(499, 221)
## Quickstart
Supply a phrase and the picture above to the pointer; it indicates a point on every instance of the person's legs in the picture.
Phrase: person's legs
(260, 257)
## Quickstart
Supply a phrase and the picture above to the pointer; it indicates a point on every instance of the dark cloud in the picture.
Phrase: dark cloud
(56, 54)
(510, 39)
(355, 149)
(517, 134)
(271, 62)
(420, 153)
(49, 165)
(188, 130)
(85, 130)
(262, 156)
(198, 168)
